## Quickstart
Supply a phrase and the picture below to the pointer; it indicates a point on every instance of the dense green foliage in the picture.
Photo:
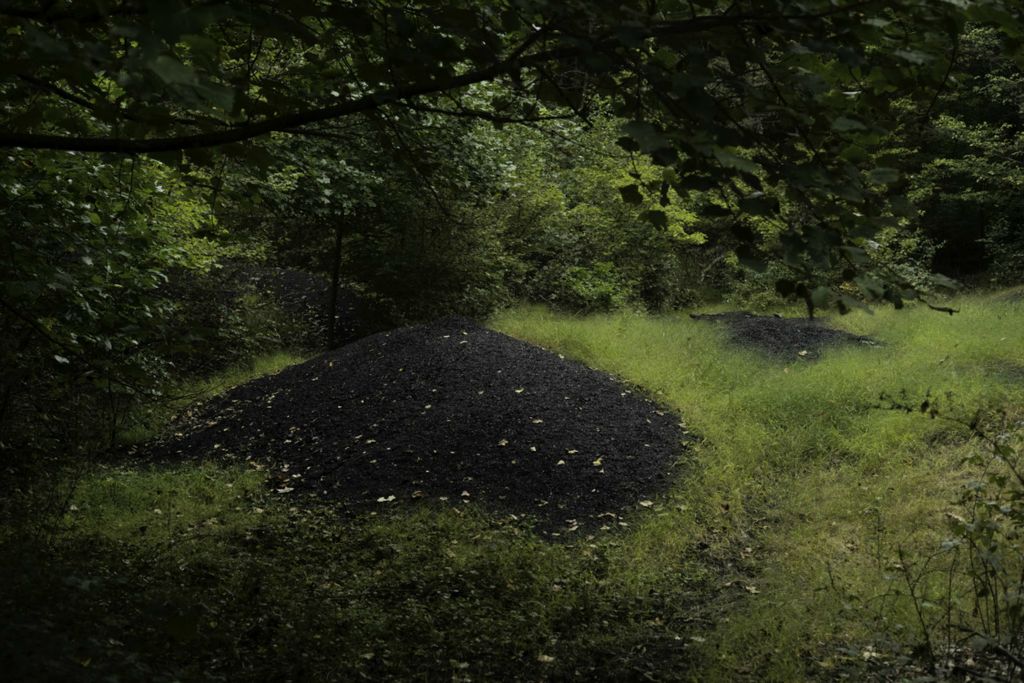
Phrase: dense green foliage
(966, 165)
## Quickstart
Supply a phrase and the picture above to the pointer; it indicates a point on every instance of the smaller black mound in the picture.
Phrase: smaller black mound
(449, 412)
(783, 337)
(304, 298)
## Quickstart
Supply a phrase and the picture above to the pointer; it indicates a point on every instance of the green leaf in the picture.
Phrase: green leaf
(631, 194)
(846, 304)
(647, 137)
(759, 204)
(173, 72)
(730, 160)
(821, 297)
(870, 285)
(943, 282)
(656, 218)
(217, 95)
(883, 175)
(845, 124)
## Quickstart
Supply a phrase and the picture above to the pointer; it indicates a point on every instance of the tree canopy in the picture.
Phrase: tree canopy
(783, 108)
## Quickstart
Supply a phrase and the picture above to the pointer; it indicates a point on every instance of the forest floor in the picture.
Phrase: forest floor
(769, 555)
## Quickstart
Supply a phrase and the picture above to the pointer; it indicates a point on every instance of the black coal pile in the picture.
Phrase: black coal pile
(783, 337)
(447, 412)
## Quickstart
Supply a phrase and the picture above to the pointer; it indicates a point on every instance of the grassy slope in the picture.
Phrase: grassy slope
(790, 511)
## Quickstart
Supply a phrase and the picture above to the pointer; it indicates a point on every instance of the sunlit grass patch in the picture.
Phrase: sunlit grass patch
(814, 468)
(154, 505)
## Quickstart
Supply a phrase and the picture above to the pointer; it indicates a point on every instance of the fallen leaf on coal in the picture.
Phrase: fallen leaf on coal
(387, 499)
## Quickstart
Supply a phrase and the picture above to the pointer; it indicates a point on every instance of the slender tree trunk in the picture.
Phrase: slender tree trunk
(332, 305)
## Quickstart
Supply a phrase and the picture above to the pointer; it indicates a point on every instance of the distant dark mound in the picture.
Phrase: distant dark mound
(449, 412)
(304, 298)
(783, 337)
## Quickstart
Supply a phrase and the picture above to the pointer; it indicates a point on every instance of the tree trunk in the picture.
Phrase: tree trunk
(332, 305)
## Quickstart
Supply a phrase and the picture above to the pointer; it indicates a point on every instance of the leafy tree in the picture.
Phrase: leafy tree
(967, 164)
(84, 248)
(743, 96)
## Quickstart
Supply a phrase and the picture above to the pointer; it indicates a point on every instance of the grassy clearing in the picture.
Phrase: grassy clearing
(801, 466)
(769, 557)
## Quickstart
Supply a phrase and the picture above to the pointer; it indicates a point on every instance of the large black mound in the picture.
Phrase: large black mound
(783, 337)
(447, 412)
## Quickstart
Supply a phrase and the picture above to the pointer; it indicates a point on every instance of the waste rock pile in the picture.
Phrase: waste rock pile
(450, 413)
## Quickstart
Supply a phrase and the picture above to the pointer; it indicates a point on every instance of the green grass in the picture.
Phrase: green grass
(801, 462)
(770, 559)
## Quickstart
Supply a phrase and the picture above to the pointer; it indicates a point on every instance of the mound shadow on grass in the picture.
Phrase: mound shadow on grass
(448, 412)
(783, 338)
